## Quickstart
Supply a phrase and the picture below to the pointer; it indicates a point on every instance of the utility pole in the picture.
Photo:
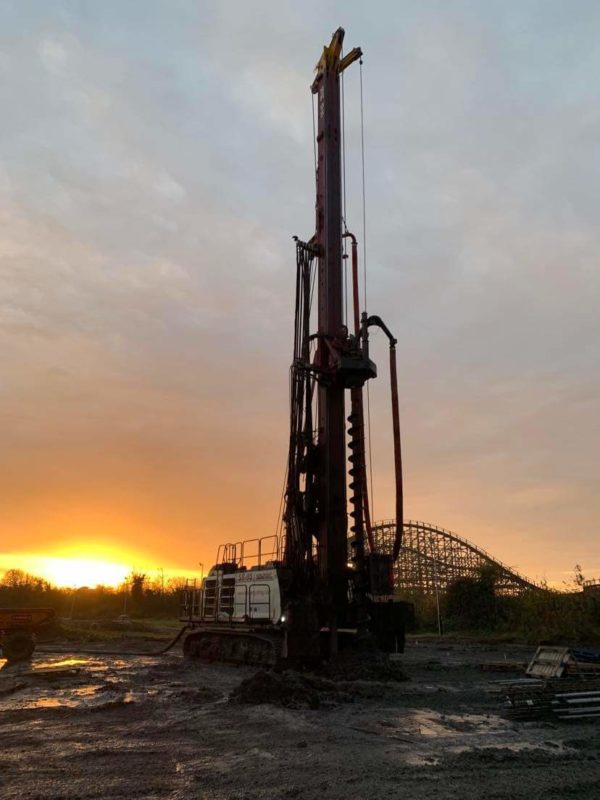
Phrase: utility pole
(437, 597)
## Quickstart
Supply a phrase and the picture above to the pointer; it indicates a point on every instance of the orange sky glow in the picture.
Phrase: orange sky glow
(81, 565)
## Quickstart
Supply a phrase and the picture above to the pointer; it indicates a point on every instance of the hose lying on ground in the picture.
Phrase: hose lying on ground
(84, 651)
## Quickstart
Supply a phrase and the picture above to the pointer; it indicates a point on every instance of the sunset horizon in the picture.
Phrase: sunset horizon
(91, 569)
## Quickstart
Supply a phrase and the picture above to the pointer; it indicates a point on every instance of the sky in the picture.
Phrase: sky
(156, 159)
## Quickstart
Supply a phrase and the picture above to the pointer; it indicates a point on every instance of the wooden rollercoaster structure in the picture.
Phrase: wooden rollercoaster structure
(433, 557)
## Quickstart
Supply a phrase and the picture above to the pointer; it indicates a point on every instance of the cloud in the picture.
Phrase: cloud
(54, 56)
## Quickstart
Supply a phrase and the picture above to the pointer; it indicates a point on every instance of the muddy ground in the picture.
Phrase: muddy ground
(159, 727)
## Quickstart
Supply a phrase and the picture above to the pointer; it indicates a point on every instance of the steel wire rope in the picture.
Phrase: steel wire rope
(364, 243)
(344, 214)
(312, 288)
(300, 389)
(279, 522)
(312, 103)
(364, 203)
(313, 269)
(291, 388)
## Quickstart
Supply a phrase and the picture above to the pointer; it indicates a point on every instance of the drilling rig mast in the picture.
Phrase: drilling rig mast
(332, 360)
(317, 590)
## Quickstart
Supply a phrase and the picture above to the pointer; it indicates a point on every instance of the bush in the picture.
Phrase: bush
(536, 616)
(472, 603)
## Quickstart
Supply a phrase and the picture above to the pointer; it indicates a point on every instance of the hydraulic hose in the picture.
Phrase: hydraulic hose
(397, 453)
(358, 409)
(84, 651)
(378, 322)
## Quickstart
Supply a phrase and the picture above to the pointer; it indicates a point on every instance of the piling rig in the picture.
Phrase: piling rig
(313, 590)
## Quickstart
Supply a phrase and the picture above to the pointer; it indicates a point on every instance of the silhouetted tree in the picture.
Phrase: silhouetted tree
(137, 581)
(472, 602)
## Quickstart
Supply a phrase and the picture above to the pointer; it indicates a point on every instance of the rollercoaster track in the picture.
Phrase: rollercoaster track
(432, 557)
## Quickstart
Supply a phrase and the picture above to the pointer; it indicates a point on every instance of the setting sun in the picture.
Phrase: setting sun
(76, 572)
(99, 564)
(72, 571)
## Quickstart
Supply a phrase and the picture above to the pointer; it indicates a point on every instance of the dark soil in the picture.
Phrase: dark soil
(350, 678)
(166, 729)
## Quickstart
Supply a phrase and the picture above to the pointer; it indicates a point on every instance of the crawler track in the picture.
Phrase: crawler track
(249, 647)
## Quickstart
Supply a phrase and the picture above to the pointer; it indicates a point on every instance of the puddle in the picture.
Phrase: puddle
(81, 698)
(515, 747)
(417, 760)
(73, 682)
(434, 724)
(60, 664)
(435, 736)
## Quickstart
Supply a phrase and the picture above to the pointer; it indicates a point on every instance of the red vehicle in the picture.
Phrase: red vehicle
(18, 627)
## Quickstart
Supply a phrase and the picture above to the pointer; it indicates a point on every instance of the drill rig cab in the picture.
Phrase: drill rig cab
(316, 589)
(237, 612)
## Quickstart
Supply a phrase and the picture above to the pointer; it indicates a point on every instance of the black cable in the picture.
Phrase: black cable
(161, 652)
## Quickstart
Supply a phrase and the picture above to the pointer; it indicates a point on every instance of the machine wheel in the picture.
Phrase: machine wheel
(18, 646)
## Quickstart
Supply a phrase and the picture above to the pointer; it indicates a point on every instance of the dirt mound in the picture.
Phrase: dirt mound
(354, 666)
(343, 681)
(289, 689)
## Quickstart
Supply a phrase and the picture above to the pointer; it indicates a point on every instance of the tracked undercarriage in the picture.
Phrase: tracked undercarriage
(237, 646)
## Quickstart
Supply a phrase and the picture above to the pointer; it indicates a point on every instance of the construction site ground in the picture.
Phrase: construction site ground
(130, 726)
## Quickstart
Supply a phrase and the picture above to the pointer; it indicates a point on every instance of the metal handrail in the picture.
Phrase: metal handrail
(237, 552)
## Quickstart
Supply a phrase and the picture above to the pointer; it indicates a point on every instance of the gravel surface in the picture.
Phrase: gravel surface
(160, 727)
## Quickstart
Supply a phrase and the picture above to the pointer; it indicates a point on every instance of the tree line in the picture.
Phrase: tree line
(470, 605)
(138, 596)
(477, 605)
